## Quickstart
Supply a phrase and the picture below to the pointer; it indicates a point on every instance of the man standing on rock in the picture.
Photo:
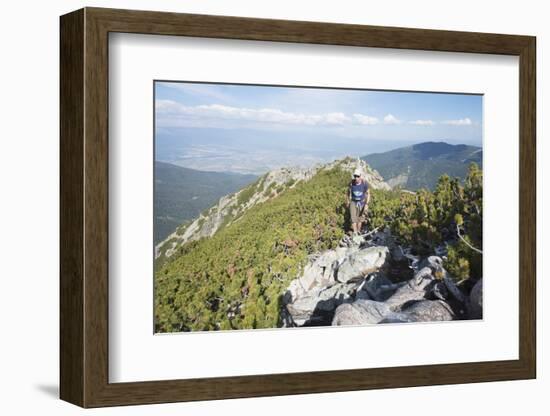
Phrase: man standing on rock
(358, 197)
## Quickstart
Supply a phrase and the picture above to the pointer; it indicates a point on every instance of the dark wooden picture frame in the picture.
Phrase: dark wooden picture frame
(84, 207)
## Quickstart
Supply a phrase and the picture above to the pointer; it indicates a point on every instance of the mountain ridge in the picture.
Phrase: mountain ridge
(285, 258)
(420, 165)
(231, 207)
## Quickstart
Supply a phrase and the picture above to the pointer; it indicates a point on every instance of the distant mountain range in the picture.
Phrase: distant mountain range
(181, 194)
(420, 165)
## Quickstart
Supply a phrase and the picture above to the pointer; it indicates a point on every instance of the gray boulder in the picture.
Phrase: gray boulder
(439, 291)
(294, 290)
(366, 312)
(475, 302)
(396, 318)
(433, 262)
(362, 294)
(413, 260)
(453, 288)
(363, 262)
(398, 254)
(301, 308)
(416, 288)
(383, 238)
(321, 299)
(321, 271)
(429, 310)
(360, 312)
(379, 287)
(331, 297)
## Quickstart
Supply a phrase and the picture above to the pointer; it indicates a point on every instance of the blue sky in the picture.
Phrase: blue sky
(404, 116)
(232, 127)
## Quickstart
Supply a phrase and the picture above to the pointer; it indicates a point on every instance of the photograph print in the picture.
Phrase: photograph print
(288, 207)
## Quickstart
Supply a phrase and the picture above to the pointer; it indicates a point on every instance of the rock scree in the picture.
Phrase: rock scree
(369, 279)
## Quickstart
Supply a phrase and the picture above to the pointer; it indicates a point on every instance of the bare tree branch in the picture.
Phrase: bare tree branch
(466, 242)
(371, 232)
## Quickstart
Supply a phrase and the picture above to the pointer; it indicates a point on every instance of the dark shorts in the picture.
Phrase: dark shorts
(356, 213)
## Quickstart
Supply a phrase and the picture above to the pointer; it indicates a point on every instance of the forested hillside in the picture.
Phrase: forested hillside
(238, 277)
(181, 194)
(421, 165)
(235, 278)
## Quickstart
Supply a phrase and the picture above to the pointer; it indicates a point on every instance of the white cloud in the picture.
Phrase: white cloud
(335, 118)
(390, 119)
(364, 119)
(173, 113)
(166, 106)
(168, 109)
(423, 122)
(461, 122)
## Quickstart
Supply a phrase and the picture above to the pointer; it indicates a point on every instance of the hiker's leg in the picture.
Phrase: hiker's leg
(360, 219)
(353, 216)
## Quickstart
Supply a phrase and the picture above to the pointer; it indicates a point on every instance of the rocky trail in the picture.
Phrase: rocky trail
(370, 279)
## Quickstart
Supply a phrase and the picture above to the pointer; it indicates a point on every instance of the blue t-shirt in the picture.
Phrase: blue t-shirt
(358, 191)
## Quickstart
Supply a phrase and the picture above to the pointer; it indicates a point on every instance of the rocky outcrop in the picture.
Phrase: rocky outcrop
(231, 208)
(361, 263)
(330, 279)
(419, 299)
(314, 305)
(428, 311)
(361, 312)
(350, 286)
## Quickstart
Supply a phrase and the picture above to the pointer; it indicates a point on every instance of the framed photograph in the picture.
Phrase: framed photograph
(254, 207)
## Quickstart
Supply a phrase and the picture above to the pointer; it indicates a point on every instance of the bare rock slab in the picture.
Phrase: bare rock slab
(363, 262)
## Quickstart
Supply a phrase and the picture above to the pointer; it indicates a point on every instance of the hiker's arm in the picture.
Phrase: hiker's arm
(368, 197)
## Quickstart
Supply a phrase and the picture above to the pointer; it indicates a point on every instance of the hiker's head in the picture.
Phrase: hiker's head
(356, 175)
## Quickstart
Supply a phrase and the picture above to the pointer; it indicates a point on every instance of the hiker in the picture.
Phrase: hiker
(358, 196)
